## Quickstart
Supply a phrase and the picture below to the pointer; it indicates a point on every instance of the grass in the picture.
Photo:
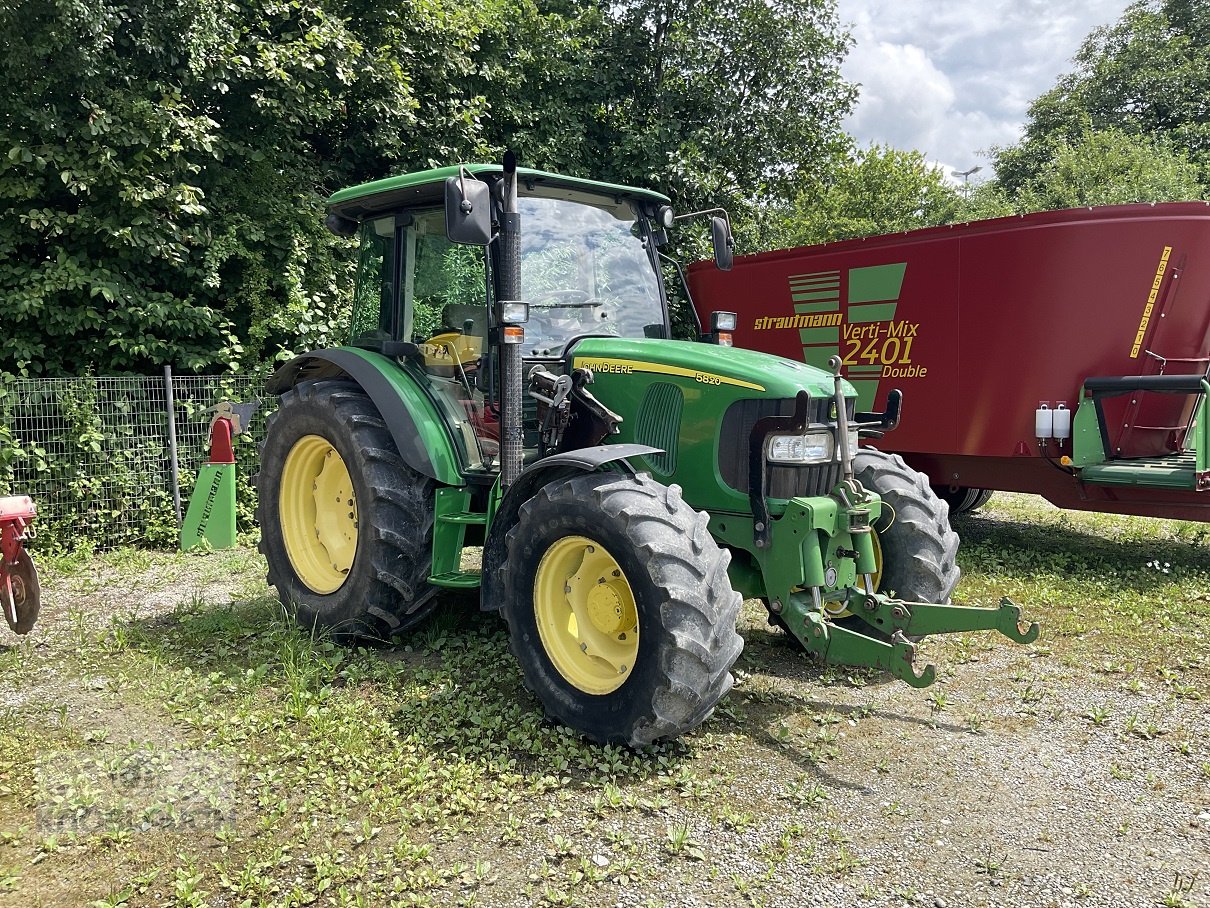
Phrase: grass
(1121, 592)
(261, 765)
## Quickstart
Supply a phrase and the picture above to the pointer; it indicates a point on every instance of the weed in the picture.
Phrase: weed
(1182, 885)
(844, 862)
(989, 864)
(807, 793)
(739, 820)
(1098, 715)
(680, 841)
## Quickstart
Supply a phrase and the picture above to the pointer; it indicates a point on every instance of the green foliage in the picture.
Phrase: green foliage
(875, 191)
(162, 184)
(1109, 167)
(1129, 123)
(94, 455)
(987, 200)
(709, 101)
(106, 475)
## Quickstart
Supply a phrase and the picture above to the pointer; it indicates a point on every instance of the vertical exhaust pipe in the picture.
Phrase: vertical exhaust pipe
(842, 420)
(510, 353)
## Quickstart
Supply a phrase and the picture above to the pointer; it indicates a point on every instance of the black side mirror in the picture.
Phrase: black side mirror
(339, 225)
(724, 245)
(468, 211)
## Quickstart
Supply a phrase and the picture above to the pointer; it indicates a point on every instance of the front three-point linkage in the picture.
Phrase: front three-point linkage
(901, 621)
(893, 623)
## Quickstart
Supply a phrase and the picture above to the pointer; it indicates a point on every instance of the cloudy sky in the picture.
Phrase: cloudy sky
(951, 78)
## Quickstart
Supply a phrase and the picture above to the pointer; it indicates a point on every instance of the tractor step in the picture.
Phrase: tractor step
(451, 518)
(464, 517)
(457, 580)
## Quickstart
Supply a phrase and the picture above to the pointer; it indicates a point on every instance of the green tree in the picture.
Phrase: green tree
(1109, 167)
(1147, 76)
(877, 190)
(162, 180)
(161, 183)
(710, 101)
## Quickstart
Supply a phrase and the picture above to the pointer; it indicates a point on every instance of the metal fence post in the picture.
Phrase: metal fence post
(170, 403)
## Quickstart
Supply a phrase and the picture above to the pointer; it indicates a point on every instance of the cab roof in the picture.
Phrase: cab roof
(427, 187)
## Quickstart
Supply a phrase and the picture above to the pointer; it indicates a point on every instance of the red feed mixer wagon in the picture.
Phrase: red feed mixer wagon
(1063, 353)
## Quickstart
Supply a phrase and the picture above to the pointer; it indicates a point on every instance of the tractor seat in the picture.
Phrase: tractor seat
(454, 316)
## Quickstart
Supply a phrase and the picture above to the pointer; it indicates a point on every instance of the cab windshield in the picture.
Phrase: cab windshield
(585, 269)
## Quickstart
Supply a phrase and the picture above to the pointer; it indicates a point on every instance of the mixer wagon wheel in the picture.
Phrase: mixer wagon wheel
(984, 496)
(961, 499)
(918, 547)
(346, 525)
(619, 608)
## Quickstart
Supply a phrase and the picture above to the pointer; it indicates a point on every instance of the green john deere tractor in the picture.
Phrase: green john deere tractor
(509, 383)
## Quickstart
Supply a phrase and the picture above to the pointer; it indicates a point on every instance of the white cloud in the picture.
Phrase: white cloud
(904, 95)
(952, 78)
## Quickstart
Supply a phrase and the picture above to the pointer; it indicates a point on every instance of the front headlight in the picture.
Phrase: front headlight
(811, 447)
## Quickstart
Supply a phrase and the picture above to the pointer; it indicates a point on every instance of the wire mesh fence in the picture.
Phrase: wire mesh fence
(96, 456)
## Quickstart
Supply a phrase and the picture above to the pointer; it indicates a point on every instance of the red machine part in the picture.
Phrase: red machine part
(20, 590)
(979, 323)
(221, 450)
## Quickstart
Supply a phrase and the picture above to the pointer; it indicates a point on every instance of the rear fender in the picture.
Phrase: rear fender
(532, 478)
(416, 425)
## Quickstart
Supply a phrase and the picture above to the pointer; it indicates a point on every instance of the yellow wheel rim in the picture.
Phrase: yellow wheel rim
(876, 577)
(586, 615)
(318, 514)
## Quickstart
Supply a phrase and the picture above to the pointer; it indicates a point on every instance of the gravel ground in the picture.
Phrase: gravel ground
(1007, 797)
(1020, 779)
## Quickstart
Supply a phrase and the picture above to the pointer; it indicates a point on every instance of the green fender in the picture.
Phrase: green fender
(417, 426)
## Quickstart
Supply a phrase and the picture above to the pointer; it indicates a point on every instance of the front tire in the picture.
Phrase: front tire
(346, 525)
(918, 547)
(619, 608)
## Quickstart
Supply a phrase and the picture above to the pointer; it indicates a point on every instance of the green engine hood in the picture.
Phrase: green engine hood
(759, 374)
(694, 402)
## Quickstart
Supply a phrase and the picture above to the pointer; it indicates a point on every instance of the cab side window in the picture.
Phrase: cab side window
(374, 296)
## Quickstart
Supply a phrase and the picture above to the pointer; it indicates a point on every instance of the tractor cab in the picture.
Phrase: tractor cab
(588, 268)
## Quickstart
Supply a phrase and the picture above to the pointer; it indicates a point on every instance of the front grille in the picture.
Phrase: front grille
(784, 481)
(803, 482)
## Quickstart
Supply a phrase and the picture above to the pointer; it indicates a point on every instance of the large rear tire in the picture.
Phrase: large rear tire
(619, 608)
(918, 547)
(346, 525)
